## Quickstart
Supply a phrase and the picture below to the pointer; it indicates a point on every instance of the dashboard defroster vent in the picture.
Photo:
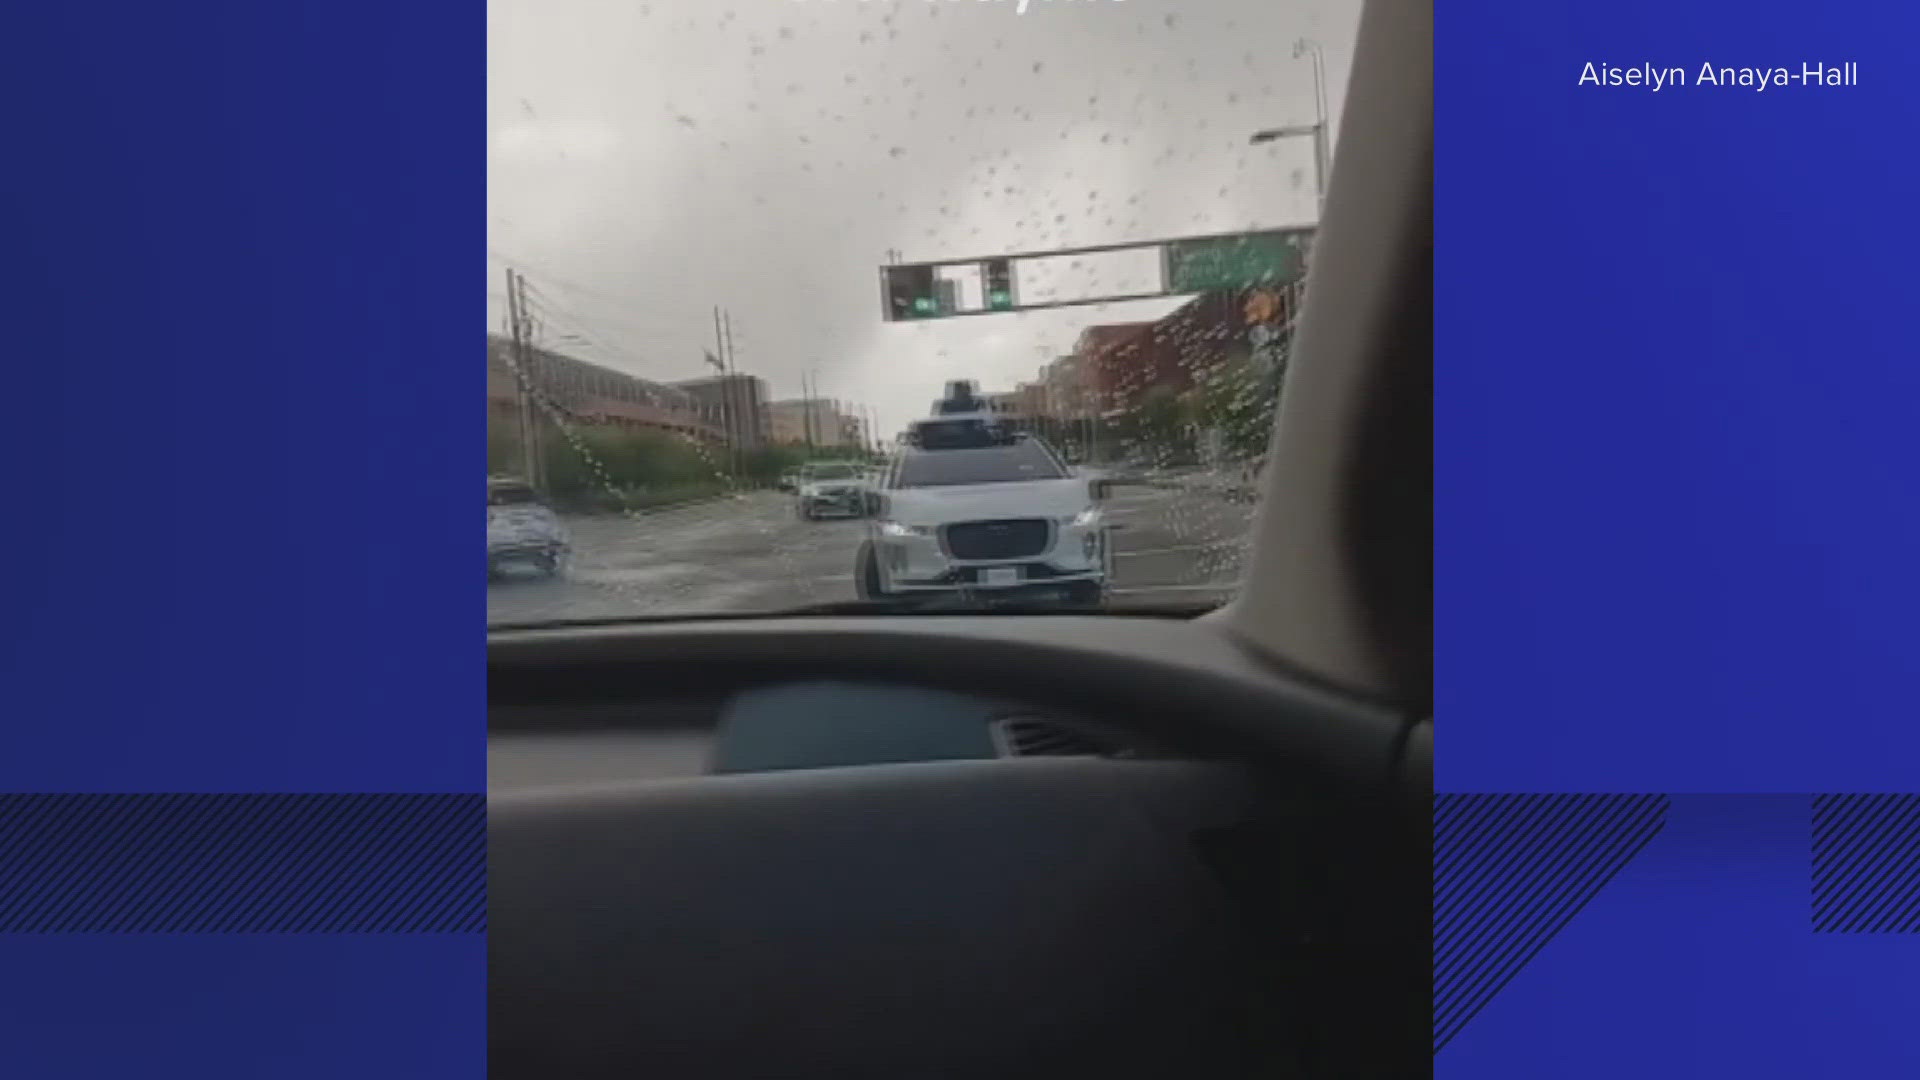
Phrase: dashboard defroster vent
(1032, 736)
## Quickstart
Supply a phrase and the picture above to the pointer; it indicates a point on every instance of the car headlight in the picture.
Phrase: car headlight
(895, 528)
(1085, 519)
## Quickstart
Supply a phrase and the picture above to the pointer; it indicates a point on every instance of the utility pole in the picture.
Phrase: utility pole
(720, 363)
(743, 418)
(806, 413)
(813, 410)
(519, 331)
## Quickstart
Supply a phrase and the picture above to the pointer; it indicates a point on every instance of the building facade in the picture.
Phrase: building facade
(814, 422)
(1120, 364)
(1091, 400)
(739, 405)
(591, 395)
(1058, 391)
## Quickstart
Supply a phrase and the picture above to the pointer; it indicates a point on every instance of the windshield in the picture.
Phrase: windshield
(991, 465)
(506, 495)
(741, 249)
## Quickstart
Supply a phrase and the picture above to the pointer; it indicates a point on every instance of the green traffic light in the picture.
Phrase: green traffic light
(923, 304)
(1000, 299)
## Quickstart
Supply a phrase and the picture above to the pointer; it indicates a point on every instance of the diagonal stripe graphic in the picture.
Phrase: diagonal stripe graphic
(1509, 872)
(243, 864)
(1866, 864)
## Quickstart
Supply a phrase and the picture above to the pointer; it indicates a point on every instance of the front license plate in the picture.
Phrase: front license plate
(1000, 575)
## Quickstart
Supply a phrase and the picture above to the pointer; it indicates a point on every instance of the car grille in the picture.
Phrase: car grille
(1019, 539)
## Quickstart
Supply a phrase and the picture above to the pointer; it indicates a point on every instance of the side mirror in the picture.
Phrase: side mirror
(1100, 489)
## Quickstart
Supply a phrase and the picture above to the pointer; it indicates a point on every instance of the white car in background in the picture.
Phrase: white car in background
(998, 516)
(522, 530)
(833, 489)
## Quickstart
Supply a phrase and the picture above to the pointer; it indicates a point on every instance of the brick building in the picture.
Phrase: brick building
(813, 421)
(1120, 363)
(738, 404)
(594, 396)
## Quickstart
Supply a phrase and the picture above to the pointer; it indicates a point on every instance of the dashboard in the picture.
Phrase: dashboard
(1036, 845)
(793, 725)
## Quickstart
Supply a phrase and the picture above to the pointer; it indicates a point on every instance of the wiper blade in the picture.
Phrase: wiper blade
(889, 606)
(977, 604)
(943, 604)
(928, 605)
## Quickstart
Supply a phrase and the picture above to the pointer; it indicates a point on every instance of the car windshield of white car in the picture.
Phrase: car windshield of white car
(835, 472)
(988, 465)
(512, 496)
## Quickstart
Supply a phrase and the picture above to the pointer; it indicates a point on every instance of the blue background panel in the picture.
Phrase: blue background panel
(250, 1005)
(1699, 959)
(243, 864)
(244, 423)
(242, 443)
(1677, 543)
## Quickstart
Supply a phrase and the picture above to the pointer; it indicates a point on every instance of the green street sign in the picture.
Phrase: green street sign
(1275, 257)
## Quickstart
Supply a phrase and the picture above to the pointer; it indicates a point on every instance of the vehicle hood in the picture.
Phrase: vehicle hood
(986, 502)
(518, 523)
(832, 487)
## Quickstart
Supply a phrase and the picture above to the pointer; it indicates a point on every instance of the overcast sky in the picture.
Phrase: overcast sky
(649, 160)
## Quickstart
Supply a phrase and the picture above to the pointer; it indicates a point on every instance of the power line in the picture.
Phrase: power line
(565, 284)
(567, 320)
(535, 401)
(560, 306)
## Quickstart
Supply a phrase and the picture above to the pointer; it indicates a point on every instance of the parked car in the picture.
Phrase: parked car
(522, 530)
(1246, 480)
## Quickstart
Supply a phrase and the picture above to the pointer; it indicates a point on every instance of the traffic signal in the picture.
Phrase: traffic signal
(910, 293)
(1261, 307)
(998, 277)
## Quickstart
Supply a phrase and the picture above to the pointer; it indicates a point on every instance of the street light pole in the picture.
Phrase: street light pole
(1291, 130)
(1317, 130)
(1321, 153)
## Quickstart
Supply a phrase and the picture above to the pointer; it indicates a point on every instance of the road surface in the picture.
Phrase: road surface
(753, 553)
